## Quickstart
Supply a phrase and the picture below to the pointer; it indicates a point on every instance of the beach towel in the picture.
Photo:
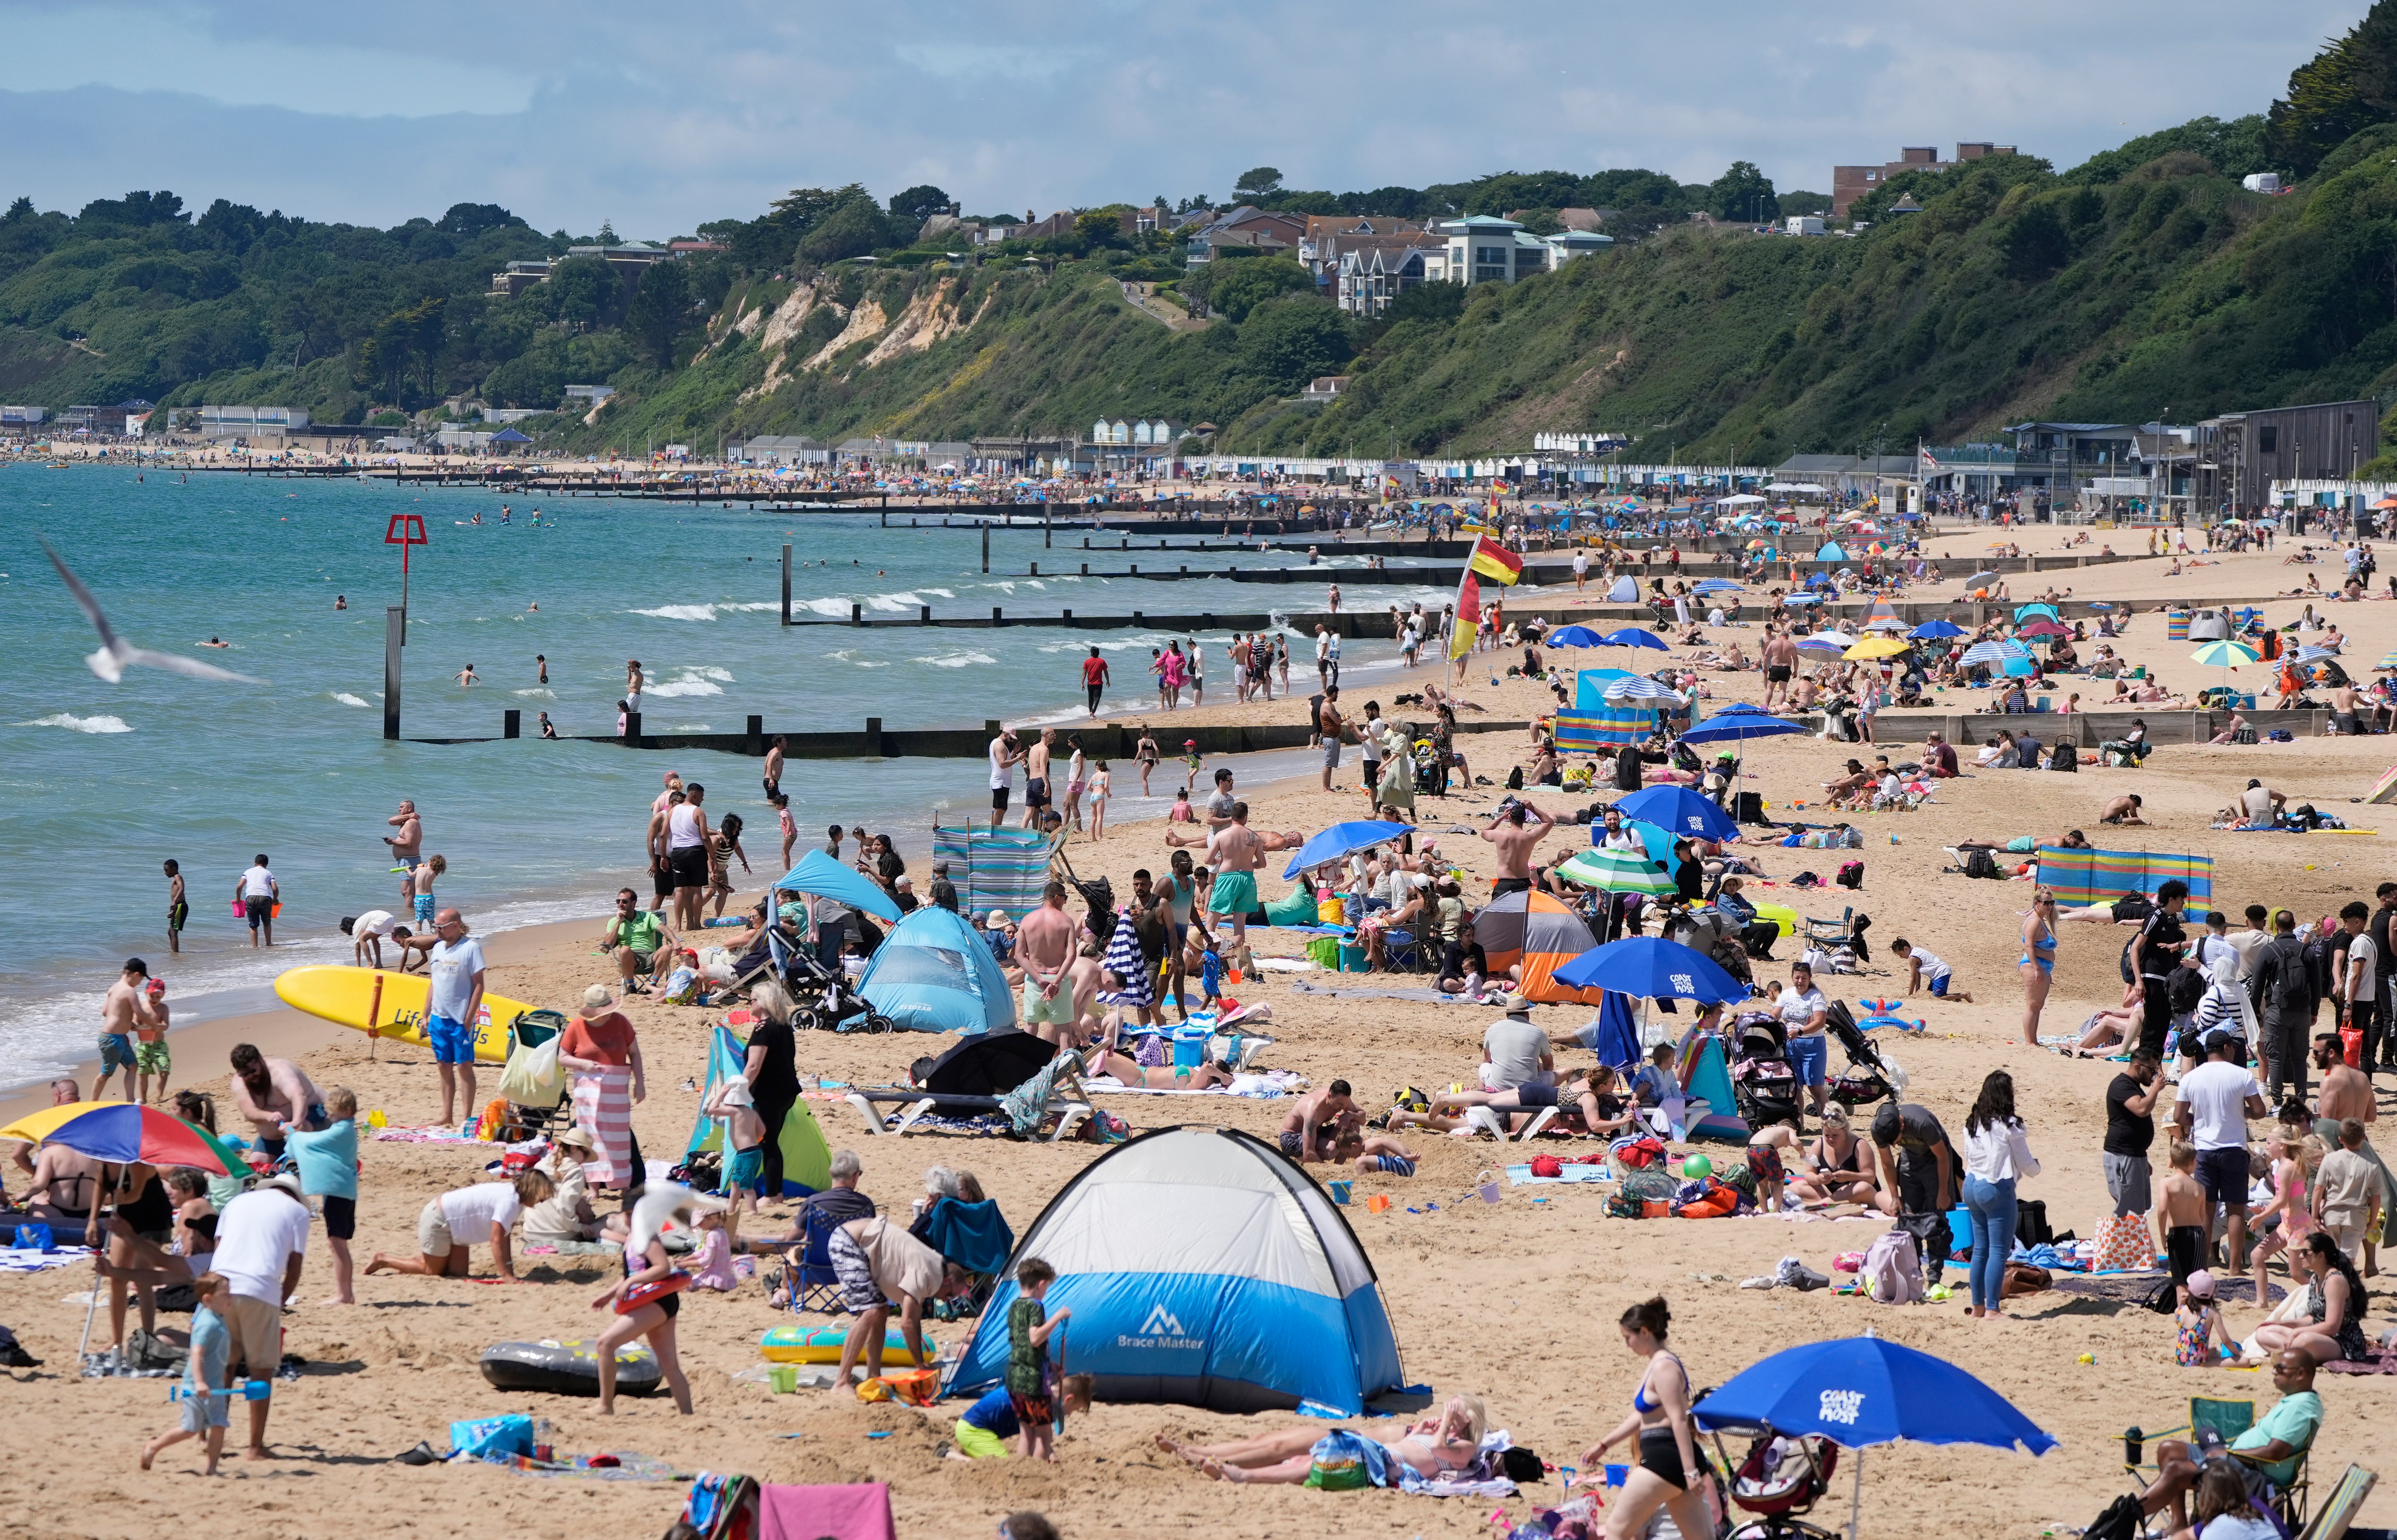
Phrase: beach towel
(856, 1511)
(603, 1108)
(1518, 1175)
(1123, 959)
(971, 1235)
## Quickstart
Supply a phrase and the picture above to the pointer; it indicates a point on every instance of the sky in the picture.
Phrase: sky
(658, 118)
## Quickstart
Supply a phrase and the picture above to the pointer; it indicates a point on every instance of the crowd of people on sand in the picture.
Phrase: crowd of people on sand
(2217, 1029)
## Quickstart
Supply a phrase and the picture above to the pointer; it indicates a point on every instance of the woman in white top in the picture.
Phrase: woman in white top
(1997, 1155)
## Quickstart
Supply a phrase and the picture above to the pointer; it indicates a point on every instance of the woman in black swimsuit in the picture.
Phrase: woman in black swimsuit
(1660, 1421)
(138, 1233)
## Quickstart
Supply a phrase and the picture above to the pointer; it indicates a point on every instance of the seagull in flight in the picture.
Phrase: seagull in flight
(116, 653)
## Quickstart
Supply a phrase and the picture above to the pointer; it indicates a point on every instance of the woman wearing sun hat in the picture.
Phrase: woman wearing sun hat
(599, 1049)
(566, 1217)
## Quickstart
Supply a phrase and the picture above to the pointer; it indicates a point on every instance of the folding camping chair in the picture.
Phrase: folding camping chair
(1400, 949)
(812, 1283)
(2227, 1420)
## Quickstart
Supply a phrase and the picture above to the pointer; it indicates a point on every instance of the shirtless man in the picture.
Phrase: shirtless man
(2123, 810)
(2343, 708)
(1303, 1129)
(1035, 777)
(1234, 855)
(1513, 833)
(1780, 662)
(660, 864)
(275, 1096)
(125, 1007)
(1333, 727)
(1044, 946)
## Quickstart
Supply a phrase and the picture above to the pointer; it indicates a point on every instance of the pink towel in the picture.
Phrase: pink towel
(603, 1108)
(858, 1512)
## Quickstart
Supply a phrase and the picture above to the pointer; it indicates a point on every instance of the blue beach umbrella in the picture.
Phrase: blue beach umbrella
(1681, 810)
(819, 874)
(1936, 631)
(1632, 636)
(1573, 636)
(1650, 967)
(2019, 667)
(1342, 838)
(1861, 1391)
(1734, 723)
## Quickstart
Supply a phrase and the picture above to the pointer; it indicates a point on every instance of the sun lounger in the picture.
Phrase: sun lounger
(1069, 1102)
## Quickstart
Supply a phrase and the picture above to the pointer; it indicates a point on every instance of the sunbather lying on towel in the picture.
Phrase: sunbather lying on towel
(1433, 1447)
(1124, 1067)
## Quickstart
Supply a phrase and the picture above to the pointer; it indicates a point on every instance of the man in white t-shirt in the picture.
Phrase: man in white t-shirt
(453, 1010)
(1003, 761)
(450, 1225)
(365, 933)
(262, 1243)
(1580, 569)
(257, 891)
(2357, 988)
(2216, 1099)
(1515, 1052)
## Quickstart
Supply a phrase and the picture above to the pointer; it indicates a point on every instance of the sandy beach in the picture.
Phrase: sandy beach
(1515, 1302)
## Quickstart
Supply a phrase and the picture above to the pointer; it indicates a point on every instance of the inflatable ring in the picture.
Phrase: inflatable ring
(823, 1344)
(568, 1368)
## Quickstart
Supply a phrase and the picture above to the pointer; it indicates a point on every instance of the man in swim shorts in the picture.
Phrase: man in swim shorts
(1780, 661)
(1044, 947)
(1510, 831)
(1035, 777)
(1303, 1130)
(123, 1008)
(455, 965)
(1002, 773)
(1234, 854)
(178, 908)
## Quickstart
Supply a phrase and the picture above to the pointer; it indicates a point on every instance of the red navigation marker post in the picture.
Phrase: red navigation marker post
(404, 530)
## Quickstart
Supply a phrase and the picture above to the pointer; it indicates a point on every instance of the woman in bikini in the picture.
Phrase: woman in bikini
(1660, 1422)
(1433, 1447)
(2037, 964)
(1840, 1173)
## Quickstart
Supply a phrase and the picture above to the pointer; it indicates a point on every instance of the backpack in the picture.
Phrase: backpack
(2292, 987)
(2130, 975)
(1515, 778)
(1978, 862)
(1892, 1269)
(1852, 874)
(2187, 988)
(2123, 1519)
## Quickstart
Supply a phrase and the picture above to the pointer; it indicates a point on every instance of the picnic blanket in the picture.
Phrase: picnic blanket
(1264, 1087)
(578, 1468)
(2081, 877)
(1374, 993)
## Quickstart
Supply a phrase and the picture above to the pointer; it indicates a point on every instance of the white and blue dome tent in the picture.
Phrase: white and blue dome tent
(1202, 1268)
(933, 973)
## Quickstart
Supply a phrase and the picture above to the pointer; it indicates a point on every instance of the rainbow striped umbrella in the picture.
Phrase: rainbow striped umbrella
(122, 1132)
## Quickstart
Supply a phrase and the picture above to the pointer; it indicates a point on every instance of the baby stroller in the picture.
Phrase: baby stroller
(821, 997)
(1868, 1077)
(1763, 1083)
(1779, 1478)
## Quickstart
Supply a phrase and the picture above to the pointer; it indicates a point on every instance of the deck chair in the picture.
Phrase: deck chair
(812, 1283)
(1830, 935)
(1065, 1099)
(2339, 1508)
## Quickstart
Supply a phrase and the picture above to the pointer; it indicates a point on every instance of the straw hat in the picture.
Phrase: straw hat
(574, 1136)
(597, 998)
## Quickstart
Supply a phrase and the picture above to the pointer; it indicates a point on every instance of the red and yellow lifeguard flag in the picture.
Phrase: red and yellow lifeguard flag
(1496, 562)
(1468, 617)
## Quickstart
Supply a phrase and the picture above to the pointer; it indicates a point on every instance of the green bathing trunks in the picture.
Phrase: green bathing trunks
(1235, 892)
(151, 1058)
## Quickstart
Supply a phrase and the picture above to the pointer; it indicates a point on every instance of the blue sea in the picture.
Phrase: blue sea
(99, 783)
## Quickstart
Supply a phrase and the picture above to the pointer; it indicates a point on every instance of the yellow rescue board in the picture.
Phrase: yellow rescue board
(391, 1006)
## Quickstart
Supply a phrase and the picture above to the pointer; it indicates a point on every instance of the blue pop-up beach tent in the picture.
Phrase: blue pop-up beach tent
(935, 972)
(1202, 1268)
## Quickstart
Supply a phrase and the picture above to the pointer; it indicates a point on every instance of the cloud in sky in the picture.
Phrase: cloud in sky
(658, 118)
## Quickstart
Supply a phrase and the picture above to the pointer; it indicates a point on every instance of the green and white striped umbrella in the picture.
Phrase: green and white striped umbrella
(1617, 871)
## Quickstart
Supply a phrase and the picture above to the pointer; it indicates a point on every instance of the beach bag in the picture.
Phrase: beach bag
(1852, 874)
(533, 1077)
(483, 1437)
(2122, 1245)
(1892, 1271)
(2023, 1279)
(911, 1387)
(1336, 1464)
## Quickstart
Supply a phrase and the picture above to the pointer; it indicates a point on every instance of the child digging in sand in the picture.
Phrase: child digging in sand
(983, 1432)
(1029, 1325)
(208, 1402)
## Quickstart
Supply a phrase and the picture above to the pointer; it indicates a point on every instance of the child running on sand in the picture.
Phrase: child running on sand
(206, 1400)
(1191, 761)
(2203, 1340)
(1029, 1326)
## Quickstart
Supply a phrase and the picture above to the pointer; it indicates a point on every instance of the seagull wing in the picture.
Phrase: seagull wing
(82, 597)
(175, 663)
